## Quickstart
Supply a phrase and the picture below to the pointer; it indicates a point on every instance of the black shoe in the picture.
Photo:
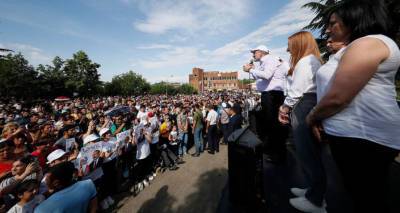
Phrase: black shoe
(211, 152)
(180, 161)
(274, 159)
(173, 167)
(196, 155)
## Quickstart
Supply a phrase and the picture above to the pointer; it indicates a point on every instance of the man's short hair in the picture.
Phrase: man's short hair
(63, 172)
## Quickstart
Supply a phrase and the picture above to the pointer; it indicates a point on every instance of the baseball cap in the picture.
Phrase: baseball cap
(56, 154)
(90, 138)
(103, 131)
(261, 48)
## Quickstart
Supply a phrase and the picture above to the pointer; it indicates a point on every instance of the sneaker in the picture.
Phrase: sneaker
(304, 205)
(151, 177)
(298, 192)
(140, 187)
(134, 190)
(110, 201)
(196, 155)
(104, 205)
(146, 183)
(154, 174)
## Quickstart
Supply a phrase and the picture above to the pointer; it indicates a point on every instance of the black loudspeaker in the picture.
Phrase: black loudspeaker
(245, 170)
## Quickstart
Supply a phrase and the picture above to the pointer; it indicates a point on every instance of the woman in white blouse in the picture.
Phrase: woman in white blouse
(358, 108)
(301, 98)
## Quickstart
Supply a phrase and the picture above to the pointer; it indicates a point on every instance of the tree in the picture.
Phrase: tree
(129, 83)
(81, 74)
(163, 88)
(52, 78)
(186, 89)
(4, 50)
(17, 77)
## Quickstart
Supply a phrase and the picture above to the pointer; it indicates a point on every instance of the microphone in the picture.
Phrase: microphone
(251, 61)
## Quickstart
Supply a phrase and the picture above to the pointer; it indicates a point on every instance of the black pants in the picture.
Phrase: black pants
(142, 169)
(212, 137)
(364, 166)
(155, 155)
(394, 187)
(168, 157)
(308, 150)
(110, 176)
(269, 129)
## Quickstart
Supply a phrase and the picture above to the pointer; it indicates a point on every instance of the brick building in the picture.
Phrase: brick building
(213, 80)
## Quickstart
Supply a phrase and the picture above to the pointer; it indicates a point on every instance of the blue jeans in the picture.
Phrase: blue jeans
(198, 139)
(225, 132)
(183, 138)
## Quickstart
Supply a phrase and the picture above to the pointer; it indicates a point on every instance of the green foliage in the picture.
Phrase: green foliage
(17, 77)
(52, 78)
(64, 77)
(166, 88)
(82, 75)
(186, 89)
(129, 83)
(163, 88)
(246, 81)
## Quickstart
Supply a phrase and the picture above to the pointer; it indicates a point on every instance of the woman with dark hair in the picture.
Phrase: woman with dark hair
(358, 108)
(301, 97)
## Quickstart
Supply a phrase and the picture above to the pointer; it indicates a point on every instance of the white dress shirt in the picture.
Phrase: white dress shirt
(269, 73)
(212, 117)
(302, 80)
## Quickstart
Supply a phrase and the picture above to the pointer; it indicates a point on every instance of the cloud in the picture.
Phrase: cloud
(290, 19)
(155, 46)
(190, 16)
(34, 55)
(174, 58)
(233, 55)
(168, 78)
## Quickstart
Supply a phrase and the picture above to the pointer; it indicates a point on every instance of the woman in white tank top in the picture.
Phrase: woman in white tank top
(357, 105)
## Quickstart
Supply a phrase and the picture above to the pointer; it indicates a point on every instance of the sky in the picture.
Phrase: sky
(160, 39)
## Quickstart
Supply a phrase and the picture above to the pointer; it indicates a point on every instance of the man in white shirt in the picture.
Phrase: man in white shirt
(211, 130)
(142, 115)
(270, 73)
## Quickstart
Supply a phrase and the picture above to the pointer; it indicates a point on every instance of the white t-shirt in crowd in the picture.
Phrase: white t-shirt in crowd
(302, 80)
(143, 148)
(142, 116)
(373, 114)
(212, 117)
(28, 207)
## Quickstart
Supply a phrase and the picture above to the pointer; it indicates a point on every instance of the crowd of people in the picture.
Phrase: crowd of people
(56, 156)
(63, 156)
(348, 103)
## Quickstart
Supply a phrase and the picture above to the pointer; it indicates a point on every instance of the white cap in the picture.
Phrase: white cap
(90, 138)
(56, 154)
(261, 48)
(103, 131)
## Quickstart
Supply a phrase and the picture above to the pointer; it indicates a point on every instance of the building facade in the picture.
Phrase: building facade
(213, 80)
